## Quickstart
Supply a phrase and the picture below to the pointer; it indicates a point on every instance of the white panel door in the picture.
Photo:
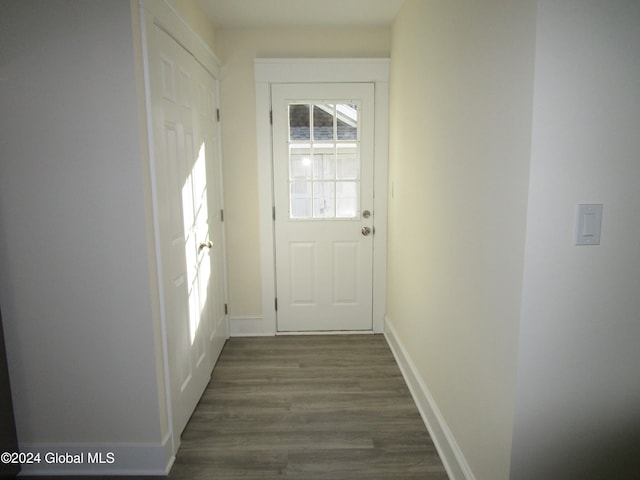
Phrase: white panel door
(187, 198)
(323, 188)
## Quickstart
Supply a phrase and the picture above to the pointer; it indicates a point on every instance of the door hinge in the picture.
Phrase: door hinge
(221, 215)
(276, 304)
(271, 117)
(226, 309)
(217, 114)
(273, 213)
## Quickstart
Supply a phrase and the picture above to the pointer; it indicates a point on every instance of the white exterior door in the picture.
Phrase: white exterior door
(188, 200)
(323, 187)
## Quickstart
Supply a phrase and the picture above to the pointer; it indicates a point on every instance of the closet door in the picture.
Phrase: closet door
(187, 198)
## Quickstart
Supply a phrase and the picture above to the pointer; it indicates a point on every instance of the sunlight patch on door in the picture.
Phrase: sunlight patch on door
(196, 231)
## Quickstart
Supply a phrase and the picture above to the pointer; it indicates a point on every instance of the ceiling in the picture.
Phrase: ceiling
(300, 13)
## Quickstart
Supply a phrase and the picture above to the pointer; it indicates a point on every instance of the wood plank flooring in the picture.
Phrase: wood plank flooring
(307, 407)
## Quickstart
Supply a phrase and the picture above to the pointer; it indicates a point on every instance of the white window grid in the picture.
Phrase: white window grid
(314, 196)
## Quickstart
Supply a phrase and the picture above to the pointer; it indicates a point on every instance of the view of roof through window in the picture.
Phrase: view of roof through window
(329, 122)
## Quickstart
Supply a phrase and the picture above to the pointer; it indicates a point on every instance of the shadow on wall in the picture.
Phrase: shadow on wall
(604, 456)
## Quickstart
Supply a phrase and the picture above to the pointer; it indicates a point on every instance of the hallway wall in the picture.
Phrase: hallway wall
(503, 119)
(461, 102)
(578, 391)
(74, 273)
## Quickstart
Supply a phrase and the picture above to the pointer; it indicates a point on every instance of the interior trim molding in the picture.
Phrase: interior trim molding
(448, 449)
(99, 459)
(321, 70)
(249, 327)
(166, 17)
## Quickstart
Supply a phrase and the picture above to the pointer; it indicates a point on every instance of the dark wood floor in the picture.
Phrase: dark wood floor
(307, 407)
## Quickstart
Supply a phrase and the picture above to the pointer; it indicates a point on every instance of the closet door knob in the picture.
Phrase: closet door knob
(208, 244)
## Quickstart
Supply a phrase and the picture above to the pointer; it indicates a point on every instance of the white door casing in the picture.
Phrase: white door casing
(186, 184)
(269, 72)
(323, 182)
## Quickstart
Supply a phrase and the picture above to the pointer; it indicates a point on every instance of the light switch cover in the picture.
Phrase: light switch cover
(588, 223)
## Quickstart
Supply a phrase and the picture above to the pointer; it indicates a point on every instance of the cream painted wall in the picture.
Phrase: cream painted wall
(78, 283)
(578, 394)
(237, 49)
(461, 103)
(197, 20)
(74, 273)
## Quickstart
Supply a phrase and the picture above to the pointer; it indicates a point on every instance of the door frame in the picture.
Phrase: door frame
(269, 71)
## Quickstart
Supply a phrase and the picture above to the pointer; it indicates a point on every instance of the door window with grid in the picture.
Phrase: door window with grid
(324, 161)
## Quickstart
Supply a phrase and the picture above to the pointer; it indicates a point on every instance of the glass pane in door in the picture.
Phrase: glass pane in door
(347, 161)
(346, 199)
(299, 162)
(324, 161)
(324, 200)
(299, 122)
(347, 121)
(300, 195)
(323, 122)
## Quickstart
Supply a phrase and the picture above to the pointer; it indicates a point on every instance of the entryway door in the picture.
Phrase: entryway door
(187, 197)
(323, 173)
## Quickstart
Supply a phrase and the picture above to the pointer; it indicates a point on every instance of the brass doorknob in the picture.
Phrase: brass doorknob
(208, 244)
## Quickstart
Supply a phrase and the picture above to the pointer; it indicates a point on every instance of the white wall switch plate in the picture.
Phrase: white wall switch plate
(588, 223)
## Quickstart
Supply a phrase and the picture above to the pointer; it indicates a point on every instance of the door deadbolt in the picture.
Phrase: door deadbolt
(366, 214)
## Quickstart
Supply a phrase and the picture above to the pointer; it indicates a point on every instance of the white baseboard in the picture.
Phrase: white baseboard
(448, 449)
(327, 332)
(97, 459)
(250, 327)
